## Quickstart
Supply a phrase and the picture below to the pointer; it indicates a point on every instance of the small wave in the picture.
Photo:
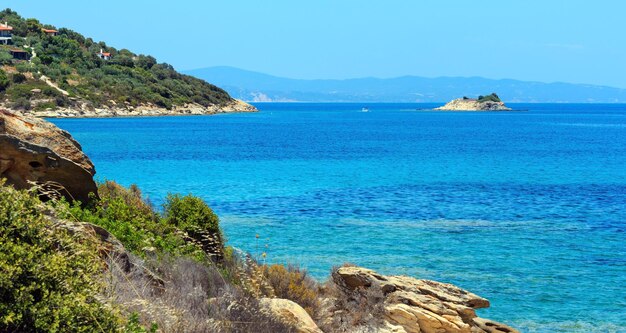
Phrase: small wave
(590, 125)
(569, 327)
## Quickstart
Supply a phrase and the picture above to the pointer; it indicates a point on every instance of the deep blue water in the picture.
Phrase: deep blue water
(524, 208)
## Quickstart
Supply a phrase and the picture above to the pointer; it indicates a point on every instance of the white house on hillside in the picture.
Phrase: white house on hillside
(104, 55)
(5, 33)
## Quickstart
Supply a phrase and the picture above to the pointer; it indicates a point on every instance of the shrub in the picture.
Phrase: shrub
(294, 284)
(4, 81)
(491, 98)
(131, 220)
(49, 279)
(21, 103)
(18, 78)
(192, 215)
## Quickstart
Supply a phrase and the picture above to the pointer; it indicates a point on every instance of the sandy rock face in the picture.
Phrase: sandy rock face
(34, 152)
(420, 306)
(291, 313)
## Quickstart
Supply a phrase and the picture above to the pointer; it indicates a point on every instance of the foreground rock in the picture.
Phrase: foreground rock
(483, 103)
(34, 152)
(291, 313)
(408, 305)
(83, 110)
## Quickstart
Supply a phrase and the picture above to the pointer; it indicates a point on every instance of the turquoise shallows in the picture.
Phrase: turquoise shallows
(527, 209)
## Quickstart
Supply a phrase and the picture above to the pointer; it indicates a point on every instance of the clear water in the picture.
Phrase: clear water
(524, 208)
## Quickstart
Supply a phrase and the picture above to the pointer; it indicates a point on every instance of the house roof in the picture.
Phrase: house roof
(49, 30)
(106, 54)
(5, 27)
(18, 51)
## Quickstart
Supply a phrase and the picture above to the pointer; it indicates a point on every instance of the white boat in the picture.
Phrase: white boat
(365, 110)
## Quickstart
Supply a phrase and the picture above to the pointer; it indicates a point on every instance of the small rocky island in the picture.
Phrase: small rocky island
(482, 103)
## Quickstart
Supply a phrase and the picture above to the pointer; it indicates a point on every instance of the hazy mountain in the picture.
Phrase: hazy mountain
(258, 87)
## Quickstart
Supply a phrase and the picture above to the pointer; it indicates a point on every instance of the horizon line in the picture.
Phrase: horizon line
(185, 71)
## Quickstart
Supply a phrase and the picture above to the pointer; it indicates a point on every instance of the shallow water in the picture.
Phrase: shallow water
(524, 208)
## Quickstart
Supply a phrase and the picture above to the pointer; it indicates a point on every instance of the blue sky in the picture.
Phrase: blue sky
(550, 40)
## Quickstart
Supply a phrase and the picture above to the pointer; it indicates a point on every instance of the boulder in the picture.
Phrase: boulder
(36, 153)
(290, 313)
(418, 306)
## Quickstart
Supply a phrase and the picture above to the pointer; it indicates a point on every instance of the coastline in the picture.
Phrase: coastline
(84, 111)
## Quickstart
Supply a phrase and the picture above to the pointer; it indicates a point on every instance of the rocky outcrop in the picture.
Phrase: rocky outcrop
(470, 104)
(290, 313)
(36, 153)
(410, 305)
(84, 110)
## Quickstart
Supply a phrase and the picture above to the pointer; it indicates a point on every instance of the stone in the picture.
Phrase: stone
(419, 306)
(34, 152)
(291, 313)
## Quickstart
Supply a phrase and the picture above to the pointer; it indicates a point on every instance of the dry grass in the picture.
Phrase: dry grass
(191, 298)
(131, 196)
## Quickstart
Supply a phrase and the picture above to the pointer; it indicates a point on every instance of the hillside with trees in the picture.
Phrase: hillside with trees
(43, 67)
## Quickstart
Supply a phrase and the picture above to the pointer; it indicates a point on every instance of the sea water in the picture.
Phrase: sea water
(526, 208)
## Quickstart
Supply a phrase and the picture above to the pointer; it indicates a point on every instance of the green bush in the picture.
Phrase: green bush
(489, 98)
(196, 218)
(4, 81)
(49, 277)
(18, 78)
(126, 215)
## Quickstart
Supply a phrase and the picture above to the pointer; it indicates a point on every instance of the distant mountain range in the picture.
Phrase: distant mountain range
(259, 87)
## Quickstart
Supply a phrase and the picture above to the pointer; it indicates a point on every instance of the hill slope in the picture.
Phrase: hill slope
(44, 67)
(253, 86)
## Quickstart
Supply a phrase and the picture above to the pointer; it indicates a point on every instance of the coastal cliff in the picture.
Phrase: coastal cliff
(123, 266)
(482, 103)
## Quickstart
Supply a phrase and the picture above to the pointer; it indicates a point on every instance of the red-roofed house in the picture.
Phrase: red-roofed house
(5, 33)
(104, 55)
(50, 32)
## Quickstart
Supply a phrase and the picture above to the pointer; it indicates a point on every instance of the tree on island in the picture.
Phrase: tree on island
(489, 98)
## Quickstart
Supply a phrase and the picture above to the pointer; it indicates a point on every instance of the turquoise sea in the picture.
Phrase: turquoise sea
(527, 209)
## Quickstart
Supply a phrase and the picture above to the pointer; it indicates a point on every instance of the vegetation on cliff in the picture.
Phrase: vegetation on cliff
(72, 62)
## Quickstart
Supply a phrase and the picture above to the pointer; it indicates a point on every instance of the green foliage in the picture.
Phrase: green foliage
(49, 277)
(130, 219)
(127, 77)
(4, 81)
(18, 78)
(489, 98)
(196, 218)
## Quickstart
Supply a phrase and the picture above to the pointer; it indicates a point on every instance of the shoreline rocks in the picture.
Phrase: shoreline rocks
(83, 110)
(406, 305)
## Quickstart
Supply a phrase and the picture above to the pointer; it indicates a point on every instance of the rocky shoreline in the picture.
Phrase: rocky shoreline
(83, 110)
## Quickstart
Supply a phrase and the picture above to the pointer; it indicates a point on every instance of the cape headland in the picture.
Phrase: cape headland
(482, 103)
(48, 71)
